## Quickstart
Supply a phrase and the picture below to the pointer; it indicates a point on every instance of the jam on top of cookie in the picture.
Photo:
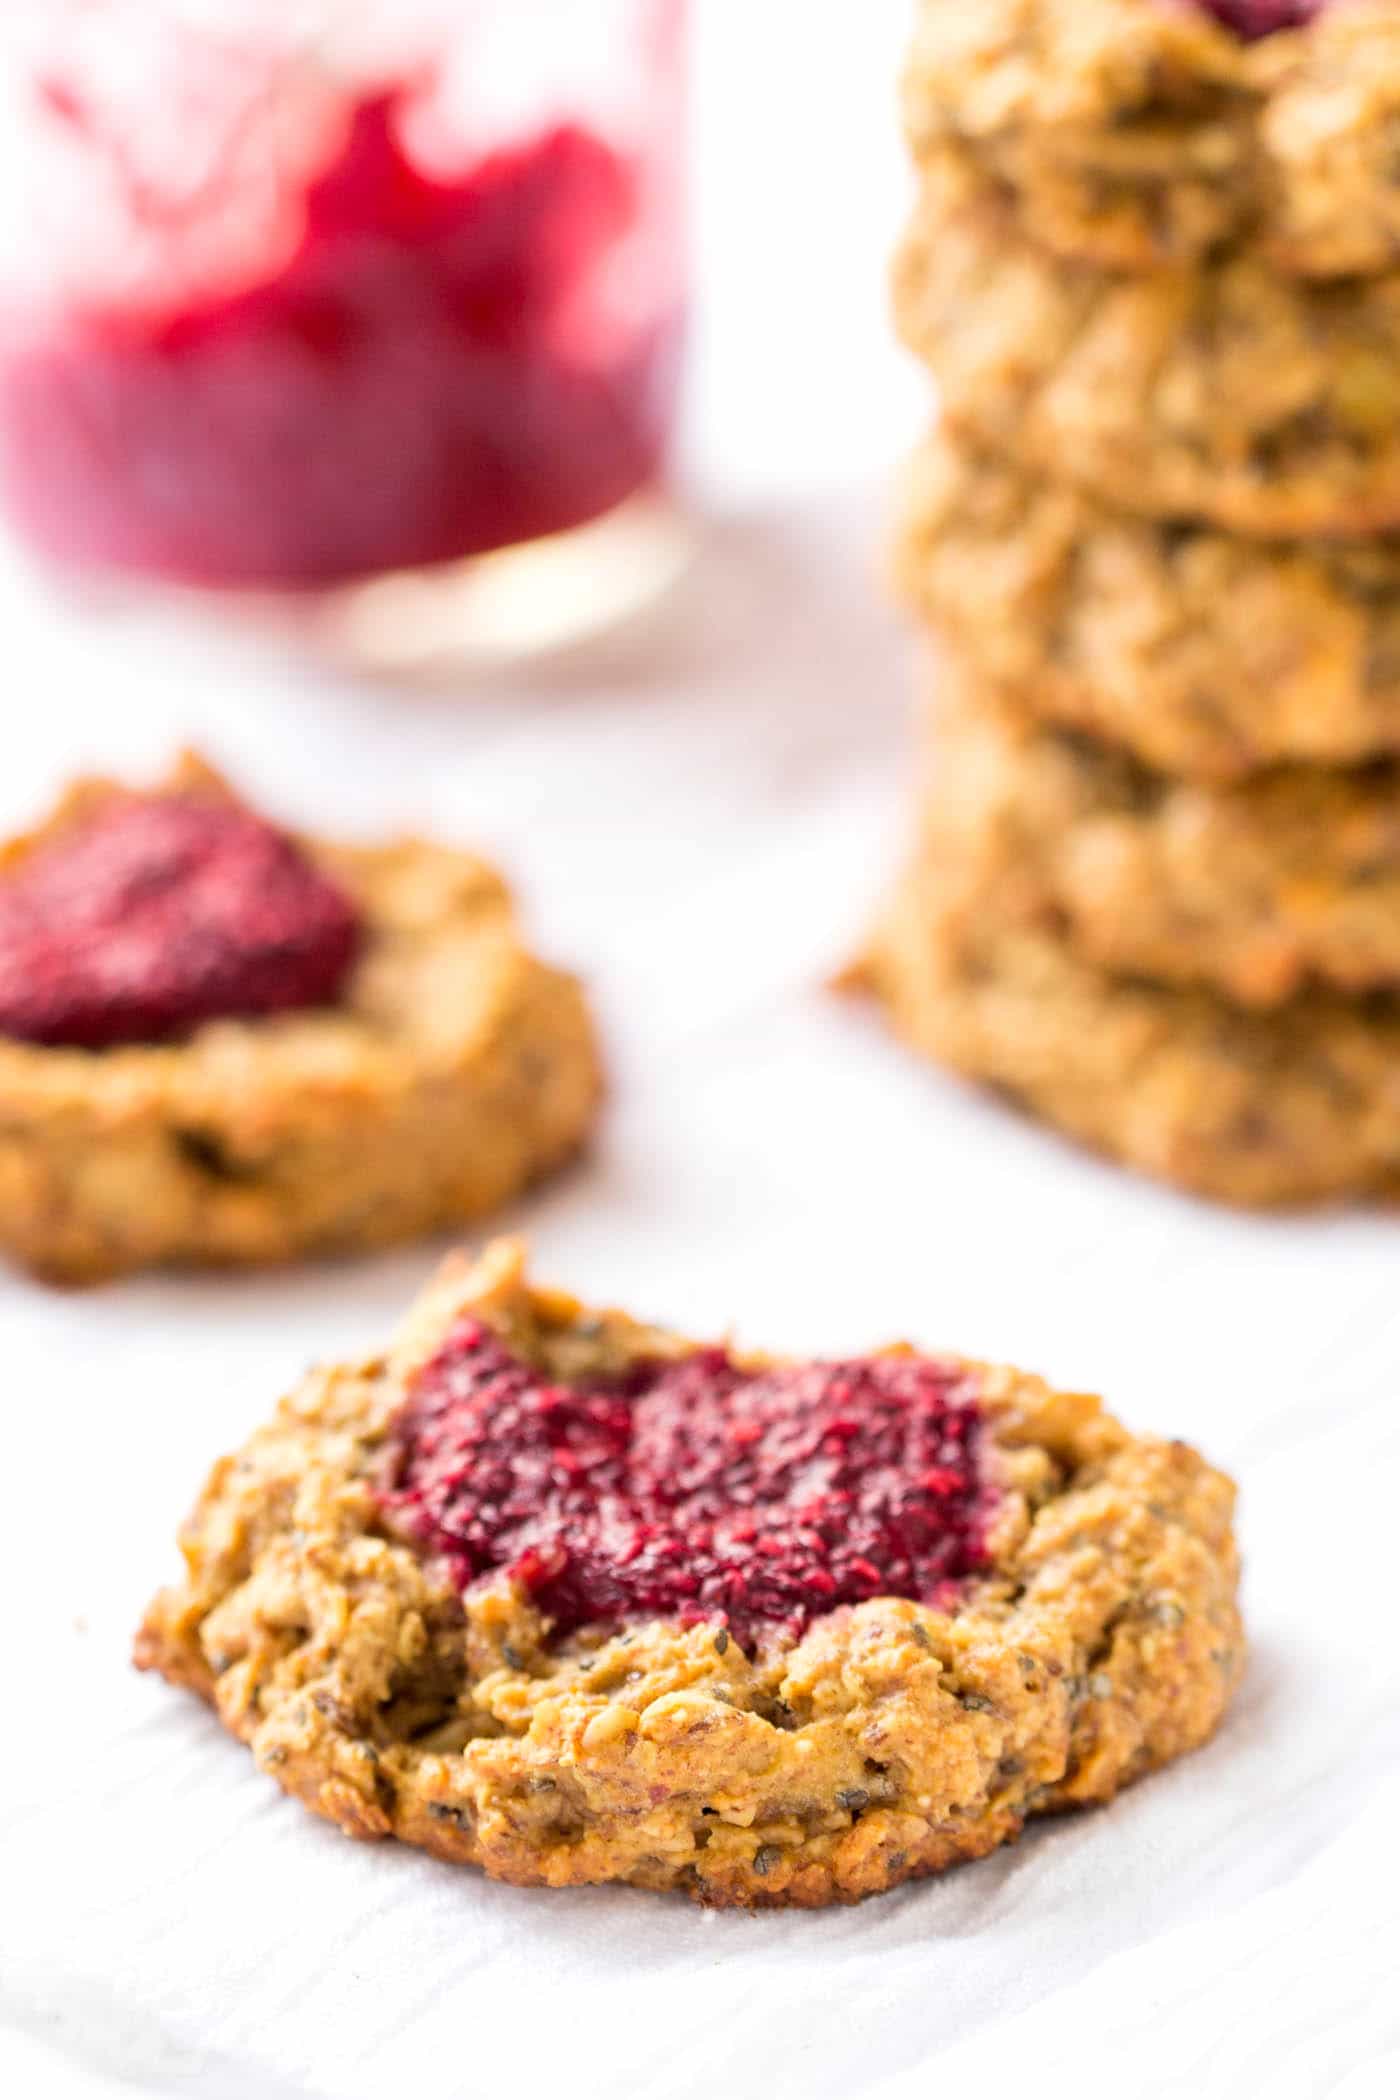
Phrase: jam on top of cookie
(1253, 19)
(695, 1488)
(156, 913)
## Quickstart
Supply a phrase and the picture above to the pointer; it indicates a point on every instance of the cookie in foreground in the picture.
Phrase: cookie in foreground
(1295, 1106)
(222, 1044)
(1142, 134)
(1205, 654)
(572, 1599)
(1229, 394)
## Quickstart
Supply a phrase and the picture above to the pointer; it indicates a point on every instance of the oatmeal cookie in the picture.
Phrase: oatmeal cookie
(1204, 654)
(1297, 1106)
(1257, 890)
(1140, 133)
(574, 1600)
(1228, 395)
(222, 1045)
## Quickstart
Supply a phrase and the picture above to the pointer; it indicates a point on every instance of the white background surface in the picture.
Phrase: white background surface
(700, 821)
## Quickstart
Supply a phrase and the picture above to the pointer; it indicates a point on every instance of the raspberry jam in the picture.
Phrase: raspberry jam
(694, 1489)
(161, 912)
(1253, 19)
(431, 367)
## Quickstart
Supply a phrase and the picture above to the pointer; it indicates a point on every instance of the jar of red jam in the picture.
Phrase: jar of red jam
(297, 297)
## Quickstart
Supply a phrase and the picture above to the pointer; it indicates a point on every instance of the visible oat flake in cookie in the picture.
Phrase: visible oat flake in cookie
(156, 913)
(473, 1594)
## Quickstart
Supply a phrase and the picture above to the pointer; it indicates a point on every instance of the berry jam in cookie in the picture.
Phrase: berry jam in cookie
(1252, 19)
(223, 1044)
(555, 1593)
(694, 1488)
(157, 913)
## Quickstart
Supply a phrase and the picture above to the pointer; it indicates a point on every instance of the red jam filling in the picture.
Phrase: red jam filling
(161, 912)
(439, 368)
(694, 1489)
(1253, 19)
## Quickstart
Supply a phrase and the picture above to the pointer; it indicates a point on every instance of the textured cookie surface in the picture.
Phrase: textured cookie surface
(1142, 133)
(451, 1071)
(1301, 1105)
(1259, 890)
(1205, 654)
(1095, 1635)
(1228, 394)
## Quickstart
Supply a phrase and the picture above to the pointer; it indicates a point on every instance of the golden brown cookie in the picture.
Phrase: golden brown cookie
(1228, 394)
(449, 1070)
(1292, 1107)
(1141, 133)
(395, 1595)
(1204, 654)
(1257, 890)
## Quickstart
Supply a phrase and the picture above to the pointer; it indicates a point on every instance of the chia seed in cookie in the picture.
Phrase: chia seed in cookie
(157, 913)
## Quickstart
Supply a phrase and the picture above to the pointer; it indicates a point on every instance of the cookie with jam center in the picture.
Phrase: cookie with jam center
(222, 1044)
(572, 1599)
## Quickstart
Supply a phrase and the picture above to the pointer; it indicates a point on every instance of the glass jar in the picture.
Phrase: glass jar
(299, 297)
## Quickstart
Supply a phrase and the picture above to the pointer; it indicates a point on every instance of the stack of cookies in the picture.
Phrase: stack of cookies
(1154, 269)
